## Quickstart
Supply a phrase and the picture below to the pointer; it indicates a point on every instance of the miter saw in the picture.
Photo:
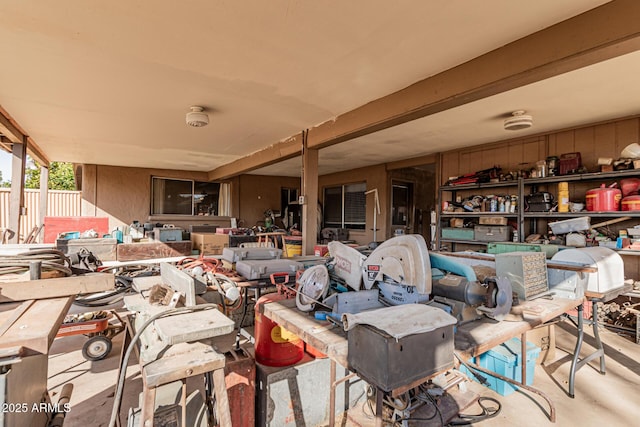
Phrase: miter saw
(404, 272)
(401, 270)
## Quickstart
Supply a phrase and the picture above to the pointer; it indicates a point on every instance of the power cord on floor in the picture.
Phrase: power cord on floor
(467, 419)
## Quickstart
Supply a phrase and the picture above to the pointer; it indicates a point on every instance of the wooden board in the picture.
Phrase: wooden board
(475, 338)
(195, 359)
(53, 288)
(38, 326)
(150, 250)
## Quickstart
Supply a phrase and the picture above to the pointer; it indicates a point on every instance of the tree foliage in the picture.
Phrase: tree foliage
(4, 184)
(61, 177)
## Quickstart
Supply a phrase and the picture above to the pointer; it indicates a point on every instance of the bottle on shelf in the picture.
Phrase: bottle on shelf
(563, 196)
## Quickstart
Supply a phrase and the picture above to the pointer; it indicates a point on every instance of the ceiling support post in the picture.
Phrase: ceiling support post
(17, 209)
(309, 197)
(44, 194)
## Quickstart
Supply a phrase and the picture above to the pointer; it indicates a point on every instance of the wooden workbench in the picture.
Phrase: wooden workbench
(471, 338)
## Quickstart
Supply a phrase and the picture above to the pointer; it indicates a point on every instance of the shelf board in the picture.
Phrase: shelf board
(474, 214)
(467, 242)
(633, 214)
(582, 177)
(512, 183)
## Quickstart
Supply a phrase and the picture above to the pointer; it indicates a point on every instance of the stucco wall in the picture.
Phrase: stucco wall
(124, 194)
(375, 177)
(257, 193)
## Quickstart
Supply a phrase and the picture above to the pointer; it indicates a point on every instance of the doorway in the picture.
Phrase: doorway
(402, 208)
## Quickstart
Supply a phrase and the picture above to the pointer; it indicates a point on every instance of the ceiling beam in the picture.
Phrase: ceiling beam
(5, 144)
(16, 135)
(600, 34)
(603, 33)
(9, 128)
(284, 150)
(36, 153)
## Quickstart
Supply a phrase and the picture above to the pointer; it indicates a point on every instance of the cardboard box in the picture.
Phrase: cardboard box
(210, 243)
(493, 220)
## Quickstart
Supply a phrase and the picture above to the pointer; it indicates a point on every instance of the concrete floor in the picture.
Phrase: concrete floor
(601, 400)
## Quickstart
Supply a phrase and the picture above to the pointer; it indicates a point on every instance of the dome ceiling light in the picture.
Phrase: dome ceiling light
(518, 121)
(197, 117)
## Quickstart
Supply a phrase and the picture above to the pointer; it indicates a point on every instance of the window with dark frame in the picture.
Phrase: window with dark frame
(345, 206)
(184, 197)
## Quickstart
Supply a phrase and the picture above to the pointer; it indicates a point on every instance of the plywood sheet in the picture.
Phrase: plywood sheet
(38, 326)
(151, 250)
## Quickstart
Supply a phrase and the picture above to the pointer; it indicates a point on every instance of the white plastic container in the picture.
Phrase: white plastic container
(568, 225)
(610, 274)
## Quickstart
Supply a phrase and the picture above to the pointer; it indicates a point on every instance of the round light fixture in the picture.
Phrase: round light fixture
(197, 117)
(518, 120)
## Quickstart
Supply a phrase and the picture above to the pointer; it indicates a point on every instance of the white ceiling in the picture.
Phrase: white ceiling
(110, 82)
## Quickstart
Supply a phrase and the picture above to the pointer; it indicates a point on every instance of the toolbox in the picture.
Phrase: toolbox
(389, 363)
(457, 233)
(167, 233)
(492, 233)
(262, 269)
(238, 254)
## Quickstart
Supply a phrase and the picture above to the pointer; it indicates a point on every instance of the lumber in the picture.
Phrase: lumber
(54, 288)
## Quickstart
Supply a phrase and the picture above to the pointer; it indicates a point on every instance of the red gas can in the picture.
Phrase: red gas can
(603, 199)
(631, 203)
(275, 346)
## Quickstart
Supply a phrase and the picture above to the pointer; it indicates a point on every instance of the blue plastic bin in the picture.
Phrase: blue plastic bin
(505, 360)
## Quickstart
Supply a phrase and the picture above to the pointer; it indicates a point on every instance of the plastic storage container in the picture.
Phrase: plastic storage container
(506, 360)
(458, 233)
(568, 225)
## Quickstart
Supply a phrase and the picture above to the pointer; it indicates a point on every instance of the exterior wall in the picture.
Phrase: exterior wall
(124, 194)
(375, 177)
(257, 193)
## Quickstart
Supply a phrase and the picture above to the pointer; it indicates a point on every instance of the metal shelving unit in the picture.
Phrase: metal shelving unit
(523, 184)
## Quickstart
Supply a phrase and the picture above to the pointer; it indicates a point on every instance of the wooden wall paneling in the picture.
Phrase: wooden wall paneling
(515, 153)
(487, 158)
(532, 152)
(605, 139)
(468, 162)
(450, 165)
(626, 133)
(584, 143)
(564, 143)
(496, 157)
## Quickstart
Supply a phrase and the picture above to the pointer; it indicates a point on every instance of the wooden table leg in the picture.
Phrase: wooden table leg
(222, 400)
(379, 399)
(148, 406)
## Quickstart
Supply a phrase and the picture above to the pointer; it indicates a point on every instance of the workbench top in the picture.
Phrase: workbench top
(471, 339)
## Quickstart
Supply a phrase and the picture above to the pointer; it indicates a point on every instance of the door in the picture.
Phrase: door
(402, 215)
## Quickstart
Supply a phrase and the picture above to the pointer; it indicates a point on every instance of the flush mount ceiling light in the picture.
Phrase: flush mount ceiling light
(197, 117)
(518, 120)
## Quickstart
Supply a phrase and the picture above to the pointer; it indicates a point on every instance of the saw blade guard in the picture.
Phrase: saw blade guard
(401, 259)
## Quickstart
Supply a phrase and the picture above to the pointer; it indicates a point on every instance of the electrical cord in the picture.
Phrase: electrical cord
(122, 374)
(469, 419)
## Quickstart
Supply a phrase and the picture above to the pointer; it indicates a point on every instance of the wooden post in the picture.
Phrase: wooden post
(310, 193)
(44, 194)
(16, 210)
